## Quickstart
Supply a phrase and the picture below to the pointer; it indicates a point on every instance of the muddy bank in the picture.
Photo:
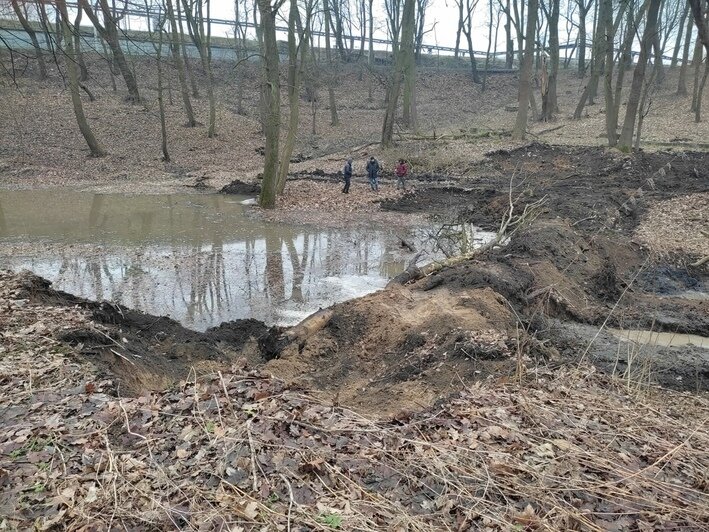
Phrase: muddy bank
(141, 351)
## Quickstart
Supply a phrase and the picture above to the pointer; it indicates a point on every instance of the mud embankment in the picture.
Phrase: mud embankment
(145, 352)
(544, 298)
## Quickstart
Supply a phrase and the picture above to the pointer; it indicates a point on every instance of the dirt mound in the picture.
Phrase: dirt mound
(401, 349)
(239, 187)
(587, 184)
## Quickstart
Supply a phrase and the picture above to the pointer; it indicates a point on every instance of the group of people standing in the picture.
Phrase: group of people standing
(373, 168)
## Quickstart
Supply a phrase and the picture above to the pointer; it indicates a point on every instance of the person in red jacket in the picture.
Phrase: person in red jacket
(402, 170)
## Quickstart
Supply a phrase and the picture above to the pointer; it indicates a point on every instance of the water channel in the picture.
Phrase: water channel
(199, 258)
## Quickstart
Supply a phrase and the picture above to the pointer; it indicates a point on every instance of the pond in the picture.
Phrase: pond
(199, 258)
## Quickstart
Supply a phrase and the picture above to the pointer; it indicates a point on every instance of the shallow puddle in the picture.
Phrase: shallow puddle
(197, 258)
(662, 339)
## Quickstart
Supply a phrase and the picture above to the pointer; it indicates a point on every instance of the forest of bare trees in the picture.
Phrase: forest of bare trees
(302, 45)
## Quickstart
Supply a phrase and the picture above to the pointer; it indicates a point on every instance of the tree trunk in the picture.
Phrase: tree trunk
(408, 58)
(201, 39)
(188, 69)
(519, 131)
(109, 33)
(272, 104)
(94, 146)
(161, 103)
(697, 65)
(598, 57)
(546, 112)
(682, 80)
(510, 50)
(644, 108)
(44, 23)
(606, 21)
(33, 37)
(473, 63)
(294, 75)
(553, 56)
(399, 71)
(489, 45)
(83, 71)
(612, 113)
(460, 28)
(334, 120)
(179, 65)
(582, 38)
(626, 135)
(370, 57)
(701, 20)
(597, 63)
(678, 40)
(659, 69)
(700, 92)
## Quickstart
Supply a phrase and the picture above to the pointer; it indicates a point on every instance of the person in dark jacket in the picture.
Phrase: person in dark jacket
(372, 173)
(347, 173)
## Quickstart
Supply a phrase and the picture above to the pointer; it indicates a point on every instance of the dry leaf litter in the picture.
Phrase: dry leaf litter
(238, 450)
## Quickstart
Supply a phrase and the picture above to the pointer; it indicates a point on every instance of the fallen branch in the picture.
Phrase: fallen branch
(509, 225)
(700, 262)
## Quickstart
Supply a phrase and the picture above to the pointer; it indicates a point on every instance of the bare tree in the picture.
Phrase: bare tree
(700, 13)
(682, 78)
(22, 16)
(179, 64)
(458, 31)
(470, 6)
(401, 63)
(525, 74)
(584, 8)
(551, 11)
(334, 120)
(614, 95)
(297, 52)
(83, 70)
(631, 112)
(680, 32)
(408, 58)
(201, 35)
(157, 46)
(73, 75)
(109, 33)
(271, 90)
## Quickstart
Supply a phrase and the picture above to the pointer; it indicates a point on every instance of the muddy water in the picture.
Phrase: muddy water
(200, 259)
(662, 339)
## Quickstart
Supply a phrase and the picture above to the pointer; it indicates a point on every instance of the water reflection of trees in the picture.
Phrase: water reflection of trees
(222, 272)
